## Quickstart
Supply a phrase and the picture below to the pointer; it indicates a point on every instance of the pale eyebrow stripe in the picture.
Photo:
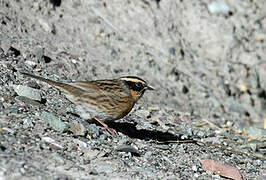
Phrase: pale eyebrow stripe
(133, 80)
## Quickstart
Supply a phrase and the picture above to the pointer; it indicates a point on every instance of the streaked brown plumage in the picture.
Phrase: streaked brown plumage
(103, 100)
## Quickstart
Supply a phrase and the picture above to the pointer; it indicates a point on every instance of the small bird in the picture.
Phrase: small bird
(102, 100)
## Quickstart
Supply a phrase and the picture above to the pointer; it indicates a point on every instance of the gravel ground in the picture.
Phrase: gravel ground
(205, 58)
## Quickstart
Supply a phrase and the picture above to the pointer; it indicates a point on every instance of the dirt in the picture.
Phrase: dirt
(208, 69)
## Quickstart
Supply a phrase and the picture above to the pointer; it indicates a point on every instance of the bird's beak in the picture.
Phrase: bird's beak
(150, 88)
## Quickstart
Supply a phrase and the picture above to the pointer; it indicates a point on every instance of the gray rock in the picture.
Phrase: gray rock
(28, 92)
(28, 101)
(54, 122)
(77, 128)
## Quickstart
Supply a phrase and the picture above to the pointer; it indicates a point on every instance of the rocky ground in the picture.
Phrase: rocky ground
(205, 58)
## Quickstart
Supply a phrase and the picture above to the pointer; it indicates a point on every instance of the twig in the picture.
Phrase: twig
(230, 149)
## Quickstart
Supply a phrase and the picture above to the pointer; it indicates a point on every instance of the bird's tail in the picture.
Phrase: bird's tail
(67, 88)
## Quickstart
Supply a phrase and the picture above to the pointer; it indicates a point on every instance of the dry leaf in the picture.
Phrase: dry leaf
(220, 169)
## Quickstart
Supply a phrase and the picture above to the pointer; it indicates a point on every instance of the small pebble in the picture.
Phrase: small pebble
(80, 143)
(216, 7)
(194, 168)
(172, 51)
(93, 172)
(48, 139)
(142, 113)
(27, 122)
(93, 130)
(229, 123)
(128, 148)
(31, 63)
(11, 131)
(91, 154)
(52, 143)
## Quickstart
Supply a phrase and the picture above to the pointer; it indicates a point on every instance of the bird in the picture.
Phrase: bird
(102, 100)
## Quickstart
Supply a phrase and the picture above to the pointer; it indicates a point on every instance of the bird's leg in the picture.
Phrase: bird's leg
(111, 130)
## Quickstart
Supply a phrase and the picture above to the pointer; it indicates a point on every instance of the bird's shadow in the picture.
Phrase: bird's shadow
(130, 130)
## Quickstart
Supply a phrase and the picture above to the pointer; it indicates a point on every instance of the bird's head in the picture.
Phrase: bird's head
(136, 85)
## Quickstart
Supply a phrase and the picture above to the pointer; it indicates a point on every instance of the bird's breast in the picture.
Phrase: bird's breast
(104, 108)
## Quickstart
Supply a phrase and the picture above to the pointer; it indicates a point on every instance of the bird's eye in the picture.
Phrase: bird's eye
(136, 86)
(140, 86)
